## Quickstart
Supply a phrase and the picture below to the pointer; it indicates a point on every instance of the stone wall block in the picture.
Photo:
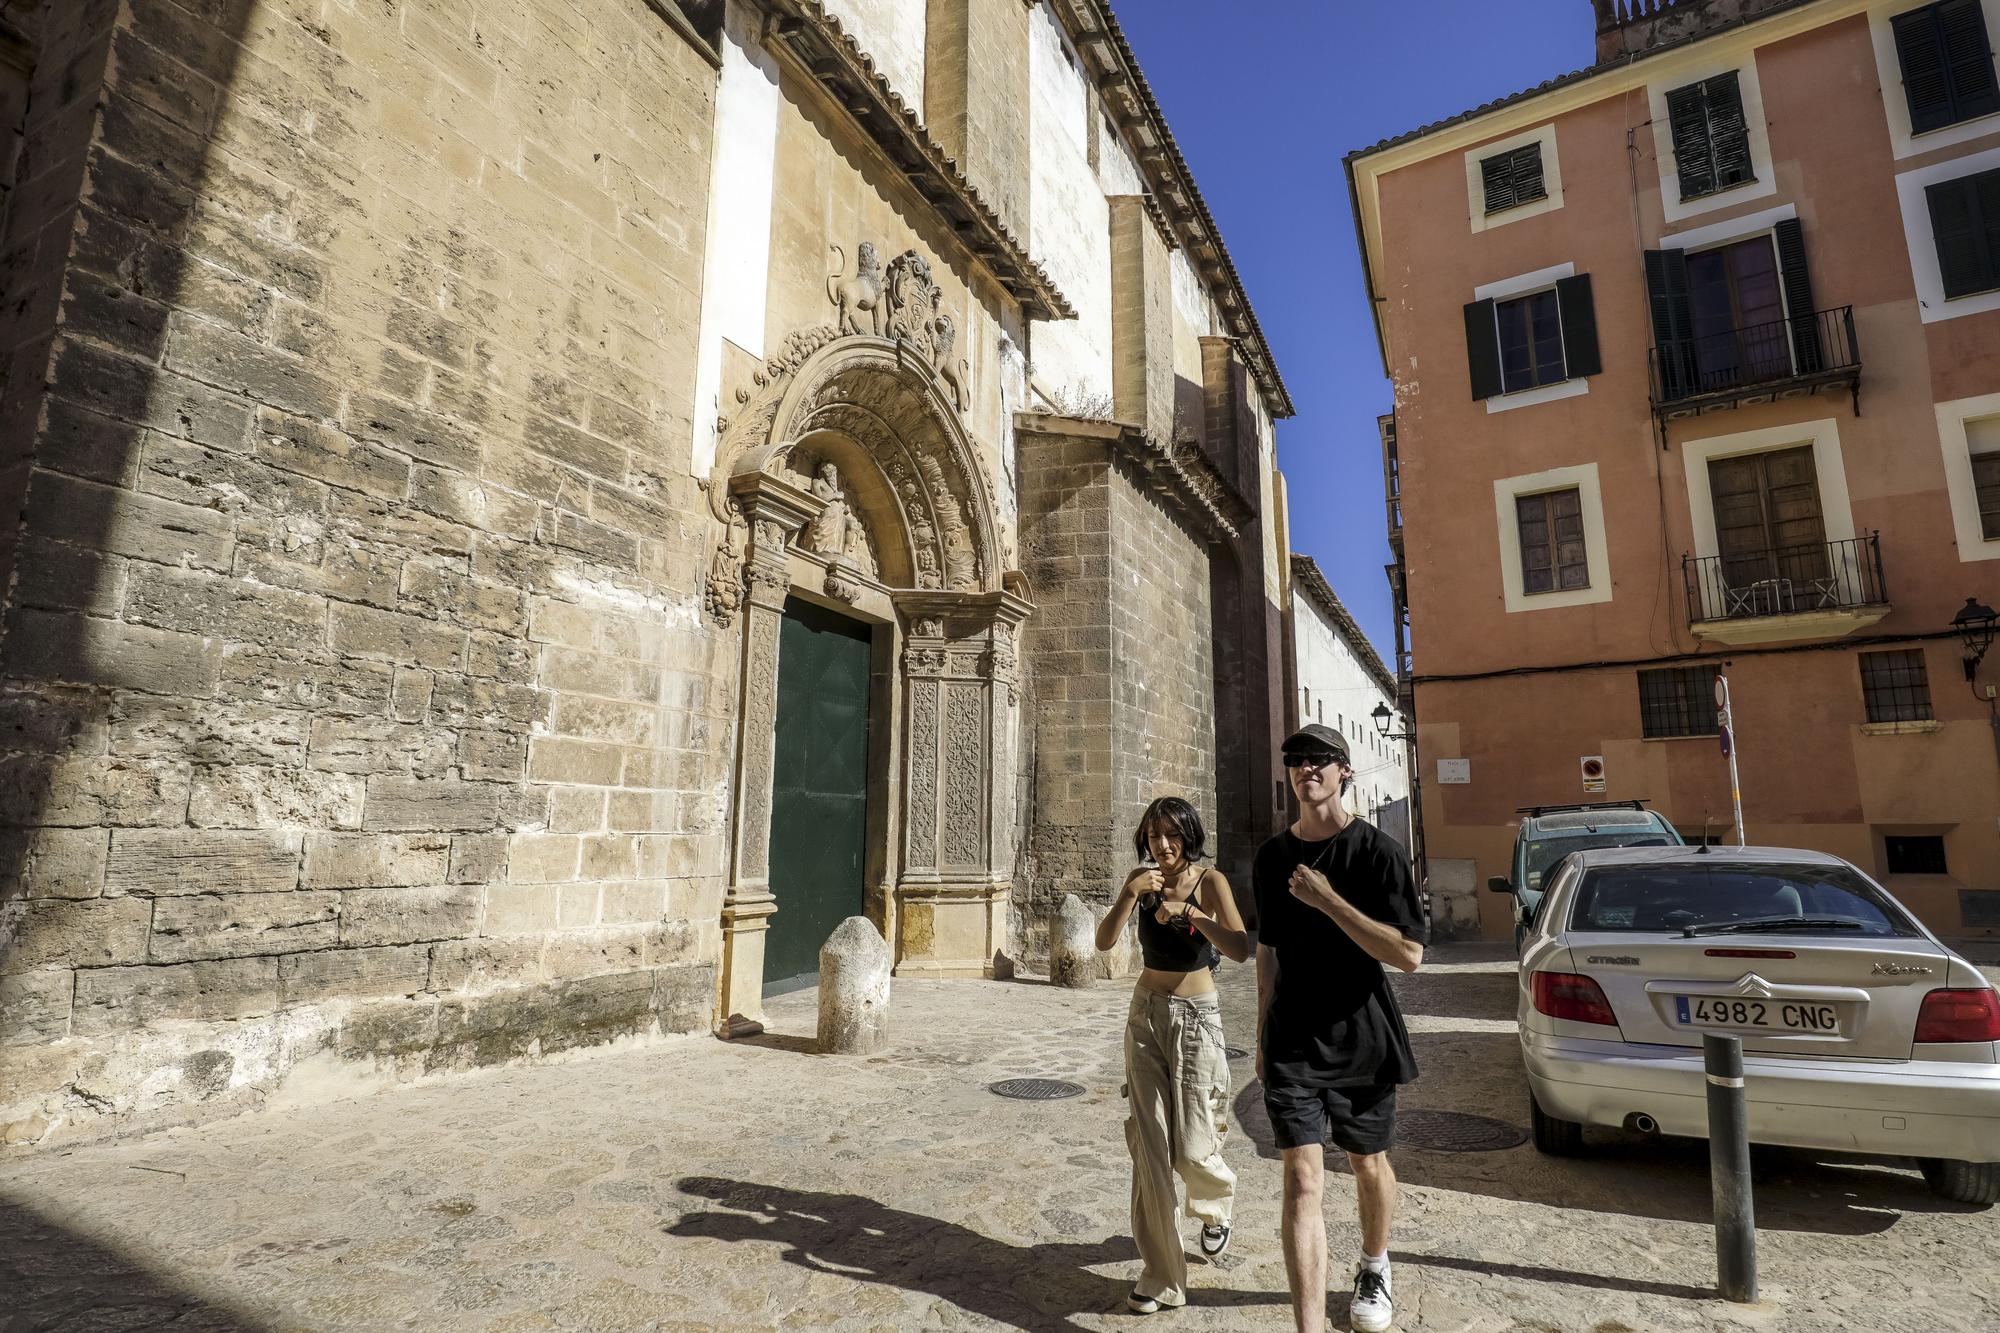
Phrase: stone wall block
(583, 953)
(376, 745)
(65, 792)
(126, 523)
(480, 964)
(54, 862)
(854, 966)
(477, 858)
(326, 685)
(518, 909)
(35, 1006)
(343, 974)
(243, 925)
(83, 650)
(373, 860)
(408, 915)
(397, 804)
(391, 636)
(115, 999)
(146, 727)
(96, 932)
(252, 798)
(165, 862)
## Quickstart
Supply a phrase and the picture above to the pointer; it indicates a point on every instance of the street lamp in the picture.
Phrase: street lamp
(1383, 716)
(1975, 623)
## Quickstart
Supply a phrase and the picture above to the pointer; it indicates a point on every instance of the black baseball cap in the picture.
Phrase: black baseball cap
(1315, 738)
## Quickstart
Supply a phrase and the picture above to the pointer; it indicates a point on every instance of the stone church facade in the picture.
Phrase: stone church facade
(515, 515)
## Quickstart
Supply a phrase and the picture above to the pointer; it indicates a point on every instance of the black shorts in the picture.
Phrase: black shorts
(1360, 1120)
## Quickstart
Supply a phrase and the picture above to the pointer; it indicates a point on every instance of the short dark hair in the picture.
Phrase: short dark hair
(1186, 823)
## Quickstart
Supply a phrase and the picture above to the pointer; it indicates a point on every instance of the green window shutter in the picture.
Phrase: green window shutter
(1482, 349)
(1968, 59)
(1920, 51)
(1673, 322)
(1579, 326)
(1687, 118)
(1808, 355)
(1728, 132)
(1965, 225)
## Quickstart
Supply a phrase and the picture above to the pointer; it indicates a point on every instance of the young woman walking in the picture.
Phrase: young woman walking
(1176, 1069)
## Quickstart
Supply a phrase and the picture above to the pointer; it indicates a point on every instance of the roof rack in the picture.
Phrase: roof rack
(1534, 810)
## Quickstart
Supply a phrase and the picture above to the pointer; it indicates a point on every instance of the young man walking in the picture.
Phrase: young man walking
(1335, 903)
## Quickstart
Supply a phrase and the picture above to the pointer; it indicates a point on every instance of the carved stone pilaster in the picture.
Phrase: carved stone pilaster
(958, 793)
(772, 510)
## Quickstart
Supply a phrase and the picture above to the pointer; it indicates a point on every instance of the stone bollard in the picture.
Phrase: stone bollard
(1073, 944)
(854, 989)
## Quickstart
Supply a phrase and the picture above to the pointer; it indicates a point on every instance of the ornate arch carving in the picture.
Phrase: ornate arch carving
(899, 396)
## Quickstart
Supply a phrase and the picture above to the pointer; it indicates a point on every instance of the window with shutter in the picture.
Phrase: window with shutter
(1678, 701)
(1531, 342)
(1513, 178)
(1553, 558)
(1711, 138)
(1984, 438)
(1965, 225)
(1947, 61)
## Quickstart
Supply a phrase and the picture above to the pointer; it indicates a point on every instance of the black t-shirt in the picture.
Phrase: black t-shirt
(1333, 1020)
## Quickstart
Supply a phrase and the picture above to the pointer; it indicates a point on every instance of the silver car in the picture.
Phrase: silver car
(1861, 1032)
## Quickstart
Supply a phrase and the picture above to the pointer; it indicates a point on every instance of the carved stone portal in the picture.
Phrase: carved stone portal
(848, 466)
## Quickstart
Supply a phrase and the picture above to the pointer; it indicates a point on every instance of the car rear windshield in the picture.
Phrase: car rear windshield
(1545, 852)
(1674, 897)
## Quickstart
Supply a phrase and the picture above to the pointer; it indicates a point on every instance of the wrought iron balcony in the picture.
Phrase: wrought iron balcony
(1785, 358)
(1818, 591)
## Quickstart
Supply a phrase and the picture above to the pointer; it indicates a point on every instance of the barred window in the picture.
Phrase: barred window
(1677, 701)
(1915, 855)
(1894, 686)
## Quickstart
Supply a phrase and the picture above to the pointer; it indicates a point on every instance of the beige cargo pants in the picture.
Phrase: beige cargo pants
(1177, 1080)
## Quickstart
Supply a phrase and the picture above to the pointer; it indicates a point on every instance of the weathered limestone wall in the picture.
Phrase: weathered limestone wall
(1118, 664)
(359, 717)
(976, 97)
(1069, 229)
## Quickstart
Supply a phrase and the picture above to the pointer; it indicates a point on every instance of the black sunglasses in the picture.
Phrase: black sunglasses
(1320, 759)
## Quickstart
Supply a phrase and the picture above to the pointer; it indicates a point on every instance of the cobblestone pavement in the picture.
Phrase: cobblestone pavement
(700, 1185)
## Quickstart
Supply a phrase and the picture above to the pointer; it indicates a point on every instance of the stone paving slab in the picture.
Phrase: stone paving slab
(705, 1186)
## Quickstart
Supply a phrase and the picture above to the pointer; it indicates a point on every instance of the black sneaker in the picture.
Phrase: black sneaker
(1214, 1240)
(1371, 1311)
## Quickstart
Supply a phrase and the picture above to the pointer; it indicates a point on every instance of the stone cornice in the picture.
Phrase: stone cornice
(1115, 70)
(813, 41)
(1306, 573)
(1177, 473)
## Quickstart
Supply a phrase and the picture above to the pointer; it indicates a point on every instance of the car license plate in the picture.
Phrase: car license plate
(1703, 1011)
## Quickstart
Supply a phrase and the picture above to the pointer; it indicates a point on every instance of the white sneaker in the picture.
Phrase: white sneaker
(1214, 1240)
(1371, 1310)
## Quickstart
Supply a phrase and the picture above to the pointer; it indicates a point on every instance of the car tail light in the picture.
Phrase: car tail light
(1578, 999)
(1958, 1015)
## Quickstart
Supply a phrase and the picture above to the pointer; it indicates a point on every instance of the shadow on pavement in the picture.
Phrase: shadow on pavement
(1455, 994)
(53, 1278)
(1533, 1273)
(1035, 1288)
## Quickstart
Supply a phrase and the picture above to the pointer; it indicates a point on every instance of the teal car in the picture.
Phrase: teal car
(1548, 833)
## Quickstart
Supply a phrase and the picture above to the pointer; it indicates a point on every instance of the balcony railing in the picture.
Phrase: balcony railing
(1792, 580)
(1809, 352)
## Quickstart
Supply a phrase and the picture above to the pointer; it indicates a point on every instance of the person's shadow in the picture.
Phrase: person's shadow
(1030, 1287)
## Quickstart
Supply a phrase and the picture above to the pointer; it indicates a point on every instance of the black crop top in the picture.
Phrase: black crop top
(1171, 949)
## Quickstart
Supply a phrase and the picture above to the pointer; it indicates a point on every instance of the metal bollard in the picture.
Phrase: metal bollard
(1729, 1169)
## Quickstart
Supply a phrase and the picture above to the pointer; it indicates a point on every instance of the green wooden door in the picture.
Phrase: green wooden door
(819, 797)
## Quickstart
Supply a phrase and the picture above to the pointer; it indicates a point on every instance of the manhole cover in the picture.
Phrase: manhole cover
(1034, 1089)
(1236, 1052)
(1453, 1131)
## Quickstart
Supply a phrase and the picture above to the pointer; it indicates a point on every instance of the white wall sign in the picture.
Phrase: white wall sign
(1593, 772)
(1454, 771)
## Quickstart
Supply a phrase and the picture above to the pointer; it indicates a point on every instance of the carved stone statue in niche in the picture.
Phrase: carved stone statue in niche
(725, 574)
(953, 372)
(827, 533)
(961, 570)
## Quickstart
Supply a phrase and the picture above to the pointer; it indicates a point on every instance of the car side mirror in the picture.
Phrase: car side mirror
(1499, 884)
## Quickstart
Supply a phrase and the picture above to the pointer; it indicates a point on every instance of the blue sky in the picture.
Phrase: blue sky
(1265, 97)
